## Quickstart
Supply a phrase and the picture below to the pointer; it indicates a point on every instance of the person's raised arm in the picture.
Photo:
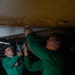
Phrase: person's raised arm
(31, 66)
(40, 51)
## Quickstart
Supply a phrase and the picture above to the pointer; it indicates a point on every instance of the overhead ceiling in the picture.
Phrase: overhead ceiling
(38, 13)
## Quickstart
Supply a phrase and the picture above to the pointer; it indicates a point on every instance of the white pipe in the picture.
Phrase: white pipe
(4, 43)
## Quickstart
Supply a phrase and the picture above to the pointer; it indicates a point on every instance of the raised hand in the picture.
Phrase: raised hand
(25, 50)
(27, 30)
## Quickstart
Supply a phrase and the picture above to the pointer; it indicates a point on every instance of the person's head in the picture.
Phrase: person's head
(8, 51)
(55, 41)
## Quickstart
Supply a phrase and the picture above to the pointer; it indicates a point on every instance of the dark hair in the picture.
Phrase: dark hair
(61, 38)
(5, 48)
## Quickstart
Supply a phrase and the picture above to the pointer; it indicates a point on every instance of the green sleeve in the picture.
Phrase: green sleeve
(32, 66)
(10, 63)
(42, 52)
(23, 64)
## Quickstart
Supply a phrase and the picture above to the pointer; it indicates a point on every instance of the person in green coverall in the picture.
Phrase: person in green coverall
(13, 65)
(51, 57)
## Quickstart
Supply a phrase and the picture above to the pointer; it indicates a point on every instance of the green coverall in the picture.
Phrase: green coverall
(50, 63)
(9, 65)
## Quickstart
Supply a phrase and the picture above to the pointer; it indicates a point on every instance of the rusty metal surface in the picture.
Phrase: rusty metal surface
(37, 13)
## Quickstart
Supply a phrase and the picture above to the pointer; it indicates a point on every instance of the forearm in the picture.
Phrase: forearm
(32, 66)
(12, 62)
(35, 47)
(28, 63)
